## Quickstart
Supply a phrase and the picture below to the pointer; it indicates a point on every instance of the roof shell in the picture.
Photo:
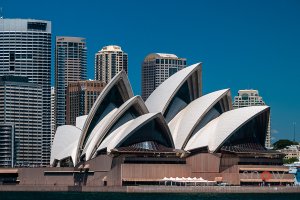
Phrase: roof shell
(126, 92)
(185, 122)
(117, 137)
(97, 134)
(80, 121)
(216, 132)
(65, 143)
(109, 121)
(161, 97)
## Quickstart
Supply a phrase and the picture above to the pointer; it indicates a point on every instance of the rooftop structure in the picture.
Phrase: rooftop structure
(248, 98)
(111, 48)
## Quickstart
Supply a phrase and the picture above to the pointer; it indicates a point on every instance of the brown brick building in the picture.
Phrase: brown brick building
(81, 96)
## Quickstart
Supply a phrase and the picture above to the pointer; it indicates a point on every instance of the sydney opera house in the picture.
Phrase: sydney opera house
(176, 132)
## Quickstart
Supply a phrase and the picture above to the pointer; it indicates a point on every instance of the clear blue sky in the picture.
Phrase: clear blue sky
(242, 44)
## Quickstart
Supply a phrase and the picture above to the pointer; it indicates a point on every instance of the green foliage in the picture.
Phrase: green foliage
(281, 144)
(290, 160)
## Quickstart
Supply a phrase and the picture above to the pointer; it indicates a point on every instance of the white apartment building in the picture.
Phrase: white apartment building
(109, 61)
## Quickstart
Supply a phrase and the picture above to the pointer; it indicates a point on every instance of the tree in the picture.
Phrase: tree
(281, 144)
(290, 160)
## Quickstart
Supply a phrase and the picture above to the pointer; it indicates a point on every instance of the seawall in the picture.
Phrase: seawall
(152, 189)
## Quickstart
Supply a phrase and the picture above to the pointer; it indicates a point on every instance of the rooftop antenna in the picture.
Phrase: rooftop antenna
(294, 124)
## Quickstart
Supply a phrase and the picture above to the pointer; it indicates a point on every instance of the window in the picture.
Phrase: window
(244, 96)
(72, 44)
(11, 56)
(36, 26)
(172, 71)
(12, 68)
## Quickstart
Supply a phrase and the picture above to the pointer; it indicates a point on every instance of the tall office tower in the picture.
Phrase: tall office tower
(110, 61)
(70, 66)
(21, 104)
(81, 96)
(156, 68)
(7, 142)
(247, 98)
(25, 50)
(53, 123)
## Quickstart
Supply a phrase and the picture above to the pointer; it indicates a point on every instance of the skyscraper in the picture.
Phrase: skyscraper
(25, 50)
(53, 121)
(81, 96)
(156, 68)
(109, 61)
(70, 66)
(21, 105)
(247, 98)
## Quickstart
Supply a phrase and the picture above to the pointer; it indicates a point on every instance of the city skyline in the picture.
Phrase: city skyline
(233, 39)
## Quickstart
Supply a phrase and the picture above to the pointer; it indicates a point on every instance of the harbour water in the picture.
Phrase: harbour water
(138, 196)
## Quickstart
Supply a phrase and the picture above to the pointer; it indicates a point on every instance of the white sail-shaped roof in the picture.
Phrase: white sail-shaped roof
(162, 96)
(110, 120)
(80, 121)
(124, 132)
(96, 134)
(216, 132)
(186, 121)
(65, 143)
(106, 102)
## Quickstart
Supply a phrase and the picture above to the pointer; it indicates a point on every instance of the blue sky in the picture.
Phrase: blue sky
(242, 44)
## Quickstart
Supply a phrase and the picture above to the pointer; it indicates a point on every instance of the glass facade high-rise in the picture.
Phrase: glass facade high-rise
(25, 50)
(109, 61)
(53, 121)
(21, 105)
(156, 68)
(70, 66)
(247, 98)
